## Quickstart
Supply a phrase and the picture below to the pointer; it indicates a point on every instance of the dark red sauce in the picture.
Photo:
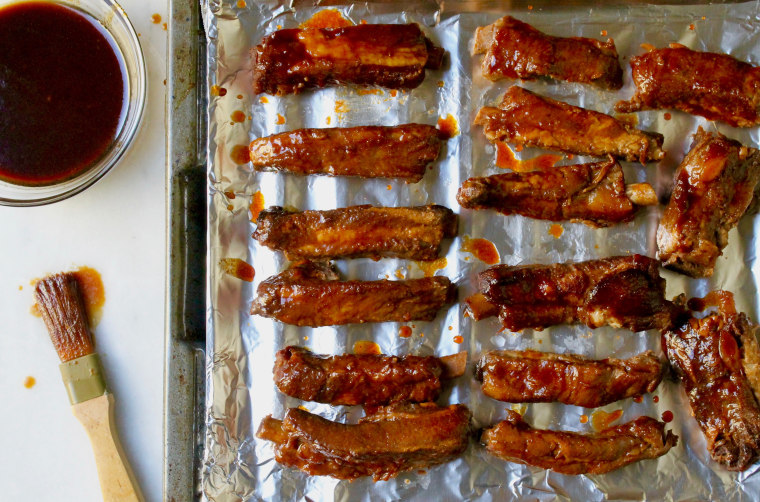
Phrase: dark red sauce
(61, 93)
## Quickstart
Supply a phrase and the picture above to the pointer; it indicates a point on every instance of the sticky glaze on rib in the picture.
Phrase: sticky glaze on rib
(412, 233)
(311, 294)
(572, 453)
(713, 188)
(715, 86)
(594, 194)
(363, 379)
(394, 439)
(620, 291)
(514, 49)
(529, 376)
(718, 361)
(387, 55)
(402, 151)
(525, 118)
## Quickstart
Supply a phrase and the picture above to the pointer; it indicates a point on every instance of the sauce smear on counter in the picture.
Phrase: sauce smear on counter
(62, 93)
(93, 292)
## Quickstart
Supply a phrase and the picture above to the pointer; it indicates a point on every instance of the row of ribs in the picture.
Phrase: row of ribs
(717, 358)
(715, 86)
(402, 430)
(408, 431)
(511, 376)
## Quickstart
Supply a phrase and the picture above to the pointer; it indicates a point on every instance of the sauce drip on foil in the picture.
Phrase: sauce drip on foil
(429, 268)
(505, 158)
(257, 204)
(238, 268)
(601, 420)
(366, 347)
(482, 249)
(724, 300)
(328, 18)
(556, 230)
(448, 126)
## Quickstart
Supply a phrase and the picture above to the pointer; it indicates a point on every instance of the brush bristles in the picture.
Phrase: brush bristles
(62, 309)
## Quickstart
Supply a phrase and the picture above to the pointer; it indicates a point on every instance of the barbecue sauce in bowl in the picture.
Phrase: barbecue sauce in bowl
(62, 93)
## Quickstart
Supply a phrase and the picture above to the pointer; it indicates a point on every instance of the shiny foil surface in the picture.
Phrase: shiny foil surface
(241, 347)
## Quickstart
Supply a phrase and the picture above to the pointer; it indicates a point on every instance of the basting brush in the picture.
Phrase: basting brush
(62, 309)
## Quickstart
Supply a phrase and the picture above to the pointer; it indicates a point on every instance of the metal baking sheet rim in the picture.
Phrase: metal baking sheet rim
(545, 485)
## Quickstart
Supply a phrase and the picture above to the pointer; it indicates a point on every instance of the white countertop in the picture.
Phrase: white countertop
(118, 227)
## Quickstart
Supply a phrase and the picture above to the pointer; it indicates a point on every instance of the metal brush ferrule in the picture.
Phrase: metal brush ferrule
(83, 378)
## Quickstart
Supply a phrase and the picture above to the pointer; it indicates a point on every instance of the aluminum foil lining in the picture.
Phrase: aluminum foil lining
(241, 348)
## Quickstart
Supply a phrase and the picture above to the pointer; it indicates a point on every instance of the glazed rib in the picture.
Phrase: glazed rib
(713, 188)
(514, 49)
(388, 55)
(529, 376)
(352, 379)
(572, 453)
(525, 118)
(594, 194)
(621, 291)
(715, 358)
(715, 86)
(311, 294)
(395, 439)
(402, 151)
(412, 233)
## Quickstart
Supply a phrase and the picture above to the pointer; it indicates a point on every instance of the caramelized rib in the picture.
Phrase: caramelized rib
(594, 194)
(62, 308)
(529, 376)
(396, 439)
(514, 49)
(402, 151)
(351, 379)
(412, 233)
(621, 291)
(713, 188)
(387, 55)
(714, 357)
(311, 295)
(525, 118)
(573, 453)
(715, 86)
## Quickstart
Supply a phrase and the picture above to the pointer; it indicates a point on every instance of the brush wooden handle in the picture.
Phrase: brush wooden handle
(117, 481)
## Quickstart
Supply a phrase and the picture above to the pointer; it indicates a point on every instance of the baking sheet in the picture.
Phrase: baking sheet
(241, 348)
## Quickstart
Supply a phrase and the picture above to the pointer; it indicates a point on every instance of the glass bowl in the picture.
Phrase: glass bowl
(112, 18)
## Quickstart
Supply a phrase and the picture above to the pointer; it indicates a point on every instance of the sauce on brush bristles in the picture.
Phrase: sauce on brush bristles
(62, 307)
